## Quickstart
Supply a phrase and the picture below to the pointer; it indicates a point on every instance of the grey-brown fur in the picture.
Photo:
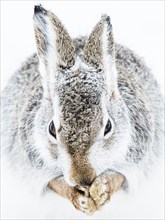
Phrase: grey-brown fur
(136, 107)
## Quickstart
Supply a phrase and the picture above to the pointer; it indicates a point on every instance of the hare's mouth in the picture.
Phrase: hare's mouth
(82, 190)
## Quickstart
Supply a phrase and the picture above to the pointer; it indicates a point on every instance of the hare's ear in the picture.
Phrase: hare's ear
(54, 45)
(99, 51)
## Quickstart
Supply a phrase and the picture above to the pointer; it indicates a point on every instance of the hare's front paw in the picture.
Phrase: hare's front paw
(100, 190)
(83, 203)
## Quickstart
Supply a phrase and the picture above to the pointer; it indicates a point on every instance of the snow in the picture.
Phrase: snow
(138, 25)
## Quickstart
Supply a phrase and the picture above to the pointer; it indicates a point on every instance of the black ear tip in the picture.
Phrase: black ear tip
(106, 18)
(38, 9)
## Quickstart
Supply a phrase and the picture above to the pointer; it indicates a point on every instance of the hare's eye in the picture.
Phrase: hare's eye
(52, 129)
(108, 127)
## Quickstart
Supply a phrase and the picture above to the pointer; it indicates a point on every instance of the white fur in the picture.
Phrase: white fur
(56, 116)
(52, 58)
(110, 72)
(48, 72)
(44, 77)
(64, 162)
(41, 144)
(78, 65)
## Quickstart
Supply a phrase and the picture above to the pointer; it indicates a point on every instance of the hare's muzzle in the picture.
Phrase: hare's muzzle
(82, 178)
(83, 190)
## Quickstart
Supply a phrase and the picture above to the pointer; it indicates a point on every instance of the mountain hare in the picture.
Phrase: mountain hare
(82, 117)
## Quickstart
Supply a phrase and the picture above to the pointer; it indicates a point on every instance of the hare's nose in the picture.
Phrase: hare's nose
(85, 182)
(82, 175)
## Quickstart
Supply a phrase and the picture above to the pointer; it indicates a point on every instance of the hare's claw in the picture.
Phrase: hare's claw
(100, 191)
(84, 204)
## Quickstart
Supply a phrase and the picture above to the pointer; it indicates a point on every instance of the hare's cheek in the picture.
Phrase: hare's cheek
(51, 139)
(99, 158)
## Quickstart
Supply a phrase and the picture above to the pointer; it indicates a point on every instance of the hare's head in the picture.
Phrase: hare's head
(88, 120)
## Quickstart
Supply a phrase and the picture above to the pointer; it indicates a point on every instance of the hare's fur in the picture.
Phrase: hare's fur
(74, 99)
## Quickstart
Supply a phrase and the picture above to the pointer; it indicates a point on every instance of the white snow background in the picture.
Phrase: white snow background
(138, 25)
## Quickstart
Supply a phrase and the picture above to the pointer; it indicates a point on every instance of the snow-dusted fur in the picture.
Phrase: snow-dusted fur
(80, 84)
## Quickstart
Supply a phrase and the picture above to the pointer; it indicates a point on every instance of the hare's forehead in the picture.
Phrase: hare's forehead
(79, 106)
(80, 114)
(80, 89)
